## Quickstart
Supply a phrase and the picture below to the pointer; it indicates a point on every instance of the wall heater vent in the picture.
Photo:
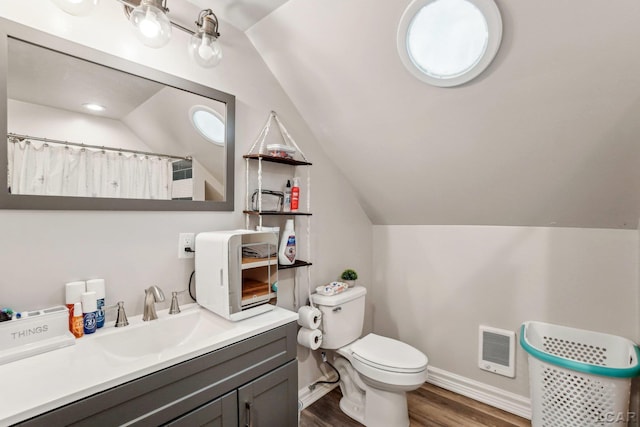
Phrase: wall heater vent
(496, 351)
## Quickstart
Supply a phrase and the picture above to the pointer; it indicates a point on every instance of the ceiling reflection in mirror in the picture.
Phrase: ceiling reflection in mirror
(78, 129)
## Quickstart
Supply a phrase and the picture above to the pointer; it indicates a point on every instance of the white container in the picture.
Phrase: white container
(281, 150)
(287, 251)
(73, 292)
(36, 332)
(89, 312)
(97, 286)
(591, 371)
(225, 279)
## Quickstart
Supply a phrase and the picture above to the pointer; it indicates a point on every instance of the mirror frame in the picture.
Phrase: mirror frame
(11, 29)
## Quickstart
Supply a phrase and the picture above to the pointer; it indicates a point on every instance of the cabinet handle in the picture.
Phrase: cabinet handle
(221, 276)
(247, 406)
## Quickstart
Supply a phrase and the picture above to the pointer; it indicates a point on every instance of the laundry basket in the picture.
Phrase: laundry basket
(578, 378)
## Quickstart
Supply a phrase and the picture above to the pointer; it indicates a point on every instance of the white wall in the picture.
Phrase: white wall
(69, 126)
(540, 138)
(41, 250)
(434, 285)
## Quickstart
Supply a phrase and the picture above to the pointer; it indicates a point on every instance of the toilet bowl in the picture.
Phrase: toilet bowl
(375, 371)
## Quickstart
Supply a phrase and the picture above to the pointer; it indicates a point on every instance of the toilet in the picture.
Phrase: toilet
(375, 371)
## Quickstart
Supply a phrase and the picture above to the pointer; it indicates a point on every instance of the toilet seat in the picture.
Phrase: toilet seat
(386, 363)
(388, 354)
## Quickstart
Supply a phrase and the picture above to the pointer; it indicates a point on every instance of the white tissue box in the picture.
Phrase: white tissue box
(37, 332)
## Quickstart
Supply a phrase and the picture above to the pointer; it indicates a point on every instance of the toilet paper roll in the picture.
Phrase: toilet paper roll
(309, 317)
(310, 338)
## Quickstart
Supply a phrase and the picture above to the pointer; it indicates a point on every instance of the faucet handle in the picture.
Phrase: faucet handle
(121, 317)
(175, 308)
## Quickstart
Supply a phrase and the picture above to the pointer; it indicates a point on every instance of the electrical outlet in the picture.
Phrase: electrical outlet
(186, 240)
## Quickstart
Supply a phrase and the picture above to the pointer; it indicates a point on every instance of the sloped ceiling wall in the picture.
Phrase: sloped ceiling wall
(549, 134)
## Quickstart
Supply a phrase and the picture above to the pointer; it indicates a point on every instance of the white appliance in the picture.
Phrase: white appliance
(235, 271)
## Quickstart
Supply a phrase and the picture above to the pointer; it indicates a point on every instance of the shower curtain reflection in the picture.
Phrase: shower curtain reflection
(59, 170)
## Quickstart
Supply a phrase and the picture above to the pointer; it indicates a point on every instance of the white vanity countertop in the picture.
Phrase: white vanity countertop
(40, 383)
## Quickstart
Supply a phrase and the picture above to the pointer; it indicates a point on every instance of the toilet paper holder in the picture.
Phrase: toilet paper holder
(309, 317)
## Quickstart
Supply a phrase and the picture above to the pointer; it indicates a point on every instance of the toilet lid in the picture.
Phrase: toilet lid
(388, 354)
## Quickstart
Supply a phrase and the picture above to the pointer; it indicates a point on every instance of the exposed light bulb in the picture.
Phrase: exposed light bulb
(77, 7)
(153, 27)
(203, 44)
(149, 26)
(205, 50)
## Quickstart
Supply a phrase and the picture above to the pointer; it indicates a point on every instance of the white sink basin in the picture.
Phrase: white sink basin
(156, 337)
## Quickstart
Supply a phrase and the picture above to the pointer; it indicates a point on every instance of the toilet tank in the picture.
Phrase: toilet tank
(342, 316)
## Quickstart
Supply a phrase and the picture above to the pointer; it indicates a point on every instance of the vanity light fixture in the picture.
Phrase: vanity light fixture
(153, 26)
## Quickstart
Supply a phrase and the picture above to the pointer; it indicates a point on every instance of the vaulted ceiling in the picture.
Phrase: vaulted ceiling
(549, 134)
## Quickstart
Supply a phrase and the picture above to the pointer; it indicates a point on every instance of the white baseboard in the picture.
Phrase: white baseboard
(306, 397)
(493, 396)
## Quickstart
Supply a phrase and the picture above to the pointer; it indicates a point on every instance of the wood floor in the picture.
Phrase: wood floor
(429, 406)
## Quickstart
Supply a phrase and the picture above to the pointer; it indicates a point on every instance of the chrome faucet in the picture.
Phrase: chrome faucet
(152, 295)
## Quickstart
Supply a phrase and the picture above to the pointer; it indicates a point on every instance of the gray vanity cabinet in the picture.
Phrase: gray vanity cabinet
(222, 412)
(250, 383)
(267, 400)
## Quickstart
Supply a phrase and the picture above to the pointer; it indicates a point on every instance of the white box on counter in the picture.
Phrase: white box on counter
(35, 332)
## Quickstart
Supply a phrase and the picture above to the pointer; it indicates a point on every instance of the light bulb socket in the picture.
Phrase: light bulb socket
(160, 4)
(208, 23)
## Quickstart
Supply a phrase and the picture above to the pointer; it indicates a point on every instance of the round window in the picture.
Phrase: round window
(449, 42)
(208, 123)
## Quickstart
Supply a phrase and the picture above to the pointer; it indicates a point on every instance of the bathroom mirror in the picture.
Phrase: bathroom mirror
(87, 130)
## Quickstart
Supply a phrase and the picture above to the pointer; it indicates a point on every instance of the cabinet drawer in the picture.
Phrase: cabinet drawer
(165, 395)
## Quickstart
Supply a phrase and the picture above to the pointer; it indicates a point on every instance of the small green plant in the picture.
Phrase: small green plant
(349, 274)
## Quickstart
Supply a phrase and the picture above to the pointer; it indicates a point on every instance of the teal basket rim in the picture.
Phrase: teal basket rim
(574, 365)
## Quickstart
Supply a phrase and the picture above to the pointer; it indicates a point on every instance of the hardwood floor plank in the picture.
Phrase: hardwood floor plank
(429, 406)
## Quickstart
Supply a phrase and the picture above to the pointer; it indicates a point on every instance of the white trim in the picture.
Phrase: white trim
(307, 397)
(203, 108)
(493, 396)
(494, 25)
